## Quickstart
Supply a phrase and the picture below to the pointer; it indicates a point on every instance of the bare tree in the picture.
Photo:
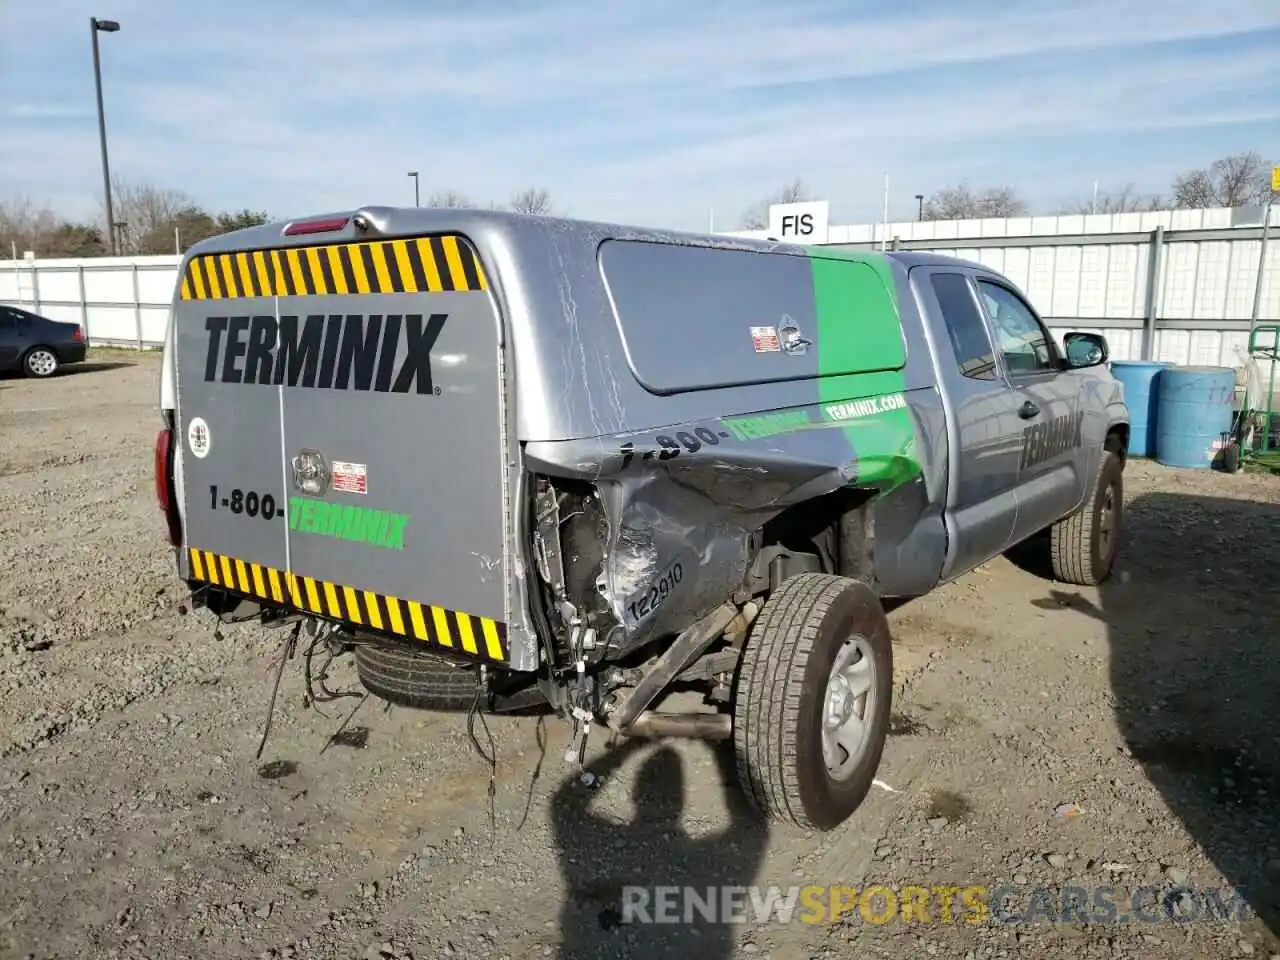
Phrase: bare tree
(535, 201)
(448, 198)
(1125, 200)
(144, 215)
(964, 203)
(26, 225)
(756, 217)
(1231, 181)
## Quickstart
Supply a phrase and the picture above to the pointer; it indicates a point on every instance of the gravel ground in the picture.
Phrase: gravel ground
(1045, 738)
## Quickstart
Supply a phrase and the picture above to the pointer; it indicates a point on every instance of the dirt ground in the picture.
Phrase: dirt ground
(136, 821)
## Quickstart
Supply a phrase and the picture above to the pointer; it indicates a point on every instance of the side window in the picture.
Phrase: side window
(964, 324)
(1025, 343)
(7, 319)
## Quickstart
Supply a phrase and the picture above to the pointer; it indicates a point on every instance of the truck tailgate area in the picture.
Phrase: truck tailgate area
(340, 419)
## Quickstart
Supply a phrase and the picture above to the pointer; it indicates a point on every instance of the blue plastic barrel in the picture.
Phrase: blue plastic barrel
(1141, 390)
(1194, 415)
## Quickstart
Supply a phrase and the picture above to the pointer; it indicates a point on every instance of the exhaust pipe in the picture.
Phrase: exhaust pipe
(697, 726)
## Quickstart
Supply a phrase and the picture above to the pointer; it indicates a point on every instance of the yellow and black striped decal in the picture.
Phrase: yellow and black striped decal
(452, 630)
(419, 265)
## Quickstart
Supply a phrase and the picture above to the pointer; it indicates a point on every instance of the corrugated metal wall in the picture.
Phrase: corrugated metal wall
(1081, 272)
(1094, 272)
(116, 300)
(1205, 297)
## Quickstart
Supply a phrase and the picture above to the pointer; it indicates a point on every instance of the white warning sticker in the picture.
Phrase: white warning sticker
(198, 437)
(349, 477)
(765, 339)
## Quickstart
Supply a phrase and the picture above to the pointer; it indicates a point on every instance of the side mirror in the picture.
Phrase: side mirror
(1086, 350)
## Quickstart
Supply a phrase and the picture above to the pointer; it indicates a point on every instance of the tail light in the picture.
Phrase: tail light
(164, 485)
(78, 335)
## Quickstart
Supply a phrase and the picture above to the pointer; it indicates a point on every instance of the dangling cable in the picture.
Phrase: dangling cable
(492, 759)
(286, 653)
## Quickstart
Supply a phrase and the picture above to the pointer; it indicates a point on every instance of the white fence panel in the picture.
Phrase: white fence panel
(117, 300)
(1096, 277)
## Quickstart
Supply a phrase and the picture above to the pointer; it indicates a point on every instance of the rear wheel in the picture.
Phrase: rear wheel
(812, 699)
(409, 678)
(40, 362)
(1083, 545)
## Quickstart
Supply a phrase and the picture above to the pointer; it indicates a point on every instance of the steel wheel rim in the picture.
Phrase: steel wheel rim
(848, 704)
(1107, 519)
(42, 363)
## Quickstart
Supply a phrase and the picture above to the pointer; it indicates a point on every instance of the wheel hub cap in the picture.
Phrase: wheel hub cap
(41, 362)
(848, 704)
(1106, 519)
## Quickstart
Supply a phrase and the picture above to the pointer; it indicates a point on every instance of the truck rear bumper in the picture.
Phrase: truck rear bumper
(446, 631)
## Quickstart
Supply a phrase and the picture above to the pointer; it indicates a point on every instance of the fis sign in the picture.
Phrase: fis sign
(806, 222)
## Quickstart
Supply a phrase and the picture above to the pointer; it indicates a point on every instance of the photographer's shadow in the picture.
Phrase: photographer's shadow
(613, 870)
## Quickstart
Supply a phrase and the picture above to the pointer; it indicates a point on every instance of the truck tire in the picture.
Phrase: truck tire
(1231, 457)
(1083, 545)
(789, 706)
(408, 678)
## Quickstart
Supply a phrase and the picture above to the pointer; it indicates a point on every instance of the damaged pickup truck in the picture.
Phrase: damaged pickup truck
(506, 459)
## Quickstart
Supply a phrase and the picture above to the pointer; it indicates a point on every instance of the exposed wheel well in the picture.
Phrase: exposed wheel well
(1118, 441)
(834, 526)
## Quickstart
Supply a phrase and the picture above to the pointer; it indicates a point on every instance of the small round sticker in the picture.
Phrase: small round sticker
(198, 437)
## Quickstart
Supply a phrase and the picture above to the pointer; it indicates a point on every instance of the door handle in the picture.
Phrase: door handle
(1028, 410)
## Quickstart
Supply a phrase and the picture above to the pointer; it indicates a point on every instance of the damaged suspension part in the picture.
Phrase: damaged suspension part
(580, 638)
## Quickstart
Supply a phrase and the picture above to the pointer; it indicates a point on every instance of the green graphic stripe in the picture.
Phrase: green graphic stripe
(858, 326)
(840, 414)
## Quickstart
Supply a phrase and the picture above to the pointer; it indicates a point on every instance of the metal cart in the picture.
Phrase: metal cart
(1256, 430)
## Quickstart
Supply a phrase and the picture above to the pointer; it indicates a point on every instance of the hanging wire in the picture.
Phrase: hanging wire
(473, 712)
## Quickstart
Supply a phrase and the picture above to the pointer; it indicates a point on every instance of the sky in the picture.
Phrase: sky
(650, 112)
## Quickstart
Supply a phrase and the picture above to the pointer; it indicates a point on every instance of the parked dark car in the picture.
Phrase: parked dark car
(37, 345)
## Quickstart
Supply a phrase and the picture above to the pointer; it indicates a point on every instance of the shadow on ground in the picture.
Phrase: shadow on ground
(1193, 619)
(71, 370)
(600, 858)
(93, 366)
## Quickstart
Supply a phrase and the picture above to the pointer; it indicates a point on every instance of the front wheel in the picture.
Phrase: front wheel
(811, 700)
(40, 362)
(1083, 545)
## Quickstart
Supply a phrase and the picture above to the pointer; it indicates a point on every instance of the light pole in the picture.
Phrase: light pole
(919, 206)
(1256, 312)
(414, 174)
(105, 26)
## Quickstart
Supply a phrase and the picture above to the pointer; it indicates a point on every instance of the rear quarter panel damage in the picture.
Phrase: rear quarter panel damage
(684, 501)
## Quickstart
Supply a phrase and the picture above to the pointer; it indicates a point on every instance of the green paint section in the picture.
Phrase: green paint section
(858, 324)
(762, 426)
(377, 528)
